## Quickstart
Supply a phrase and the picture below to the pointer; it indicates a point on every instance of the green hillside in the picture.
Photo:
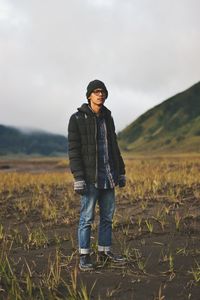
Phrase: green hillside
(14, 141)
(172, 126)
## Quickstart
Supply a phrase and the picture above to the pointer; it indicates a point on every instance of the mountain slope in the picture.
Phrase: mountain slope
(14, 141)
(173, 125)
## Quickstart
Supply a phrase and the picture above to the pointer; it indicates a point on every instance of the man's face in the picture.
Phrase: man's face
(97, 97)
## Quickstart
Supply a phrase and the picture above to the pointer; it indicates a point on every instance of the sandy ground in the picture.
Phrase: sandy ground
(159, 264)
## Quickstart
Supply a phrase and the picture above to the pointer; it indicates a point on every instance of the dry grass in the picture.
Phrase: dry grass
(39, 214)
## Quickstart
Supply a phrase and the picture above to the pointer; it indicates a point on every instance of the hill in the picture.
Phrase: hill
(14, 141)
(171, 126)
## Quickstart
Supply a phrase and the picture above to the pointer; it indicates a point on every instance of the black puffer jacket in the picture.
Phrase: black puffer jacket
(82, 144)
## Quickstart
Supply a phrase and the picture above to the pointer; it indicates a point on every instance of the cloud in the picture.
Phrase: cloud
(144, 51)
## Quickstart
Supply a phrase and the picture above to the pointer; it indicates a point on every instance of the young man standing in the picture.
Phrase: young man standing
(97, 167)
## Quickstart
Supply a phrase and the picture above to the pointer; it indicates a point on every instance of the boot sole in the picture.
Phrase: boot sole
(110, 261)
(86, 269)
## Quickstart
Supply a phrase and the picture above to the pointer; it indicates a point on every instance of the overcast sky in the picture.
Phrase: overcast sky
(144, 50)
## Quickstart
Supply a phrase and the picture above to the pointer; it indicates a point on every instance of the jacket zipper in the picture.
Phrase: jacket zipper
(96, 151)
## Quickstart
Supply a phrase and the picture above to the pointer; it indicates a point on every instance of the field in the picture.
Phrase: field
(156, 227)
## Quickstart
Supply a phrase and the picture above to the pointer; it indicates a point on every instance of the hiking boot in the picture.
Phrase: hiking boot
(85, 263)
(108, 256)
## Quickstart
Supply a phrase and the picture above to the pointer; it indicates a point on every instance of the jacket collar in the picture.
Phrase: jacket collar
(85, 108)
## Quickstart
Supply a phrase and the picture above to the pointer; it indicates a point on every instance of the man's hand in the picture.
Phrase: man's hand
(80, 187)
(122, 181)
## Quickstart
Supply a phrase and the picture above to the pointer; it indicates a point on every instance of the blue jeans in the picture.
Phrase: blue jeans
(106, 201)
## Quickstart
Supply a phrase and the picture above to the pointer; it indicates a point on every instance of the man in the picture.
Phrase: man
(97, 167)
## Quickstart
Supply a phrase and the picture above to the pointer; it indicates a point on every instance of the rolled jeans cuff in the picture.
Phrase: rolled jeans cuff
(84, 251)
(103, 248)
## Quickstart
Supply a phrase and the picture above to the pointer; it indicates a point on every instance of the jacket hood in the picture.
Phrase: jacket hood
(85, 108)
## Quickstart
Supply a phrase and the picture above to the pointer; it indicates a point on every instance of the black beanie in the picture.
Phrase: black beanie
(95, 84)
